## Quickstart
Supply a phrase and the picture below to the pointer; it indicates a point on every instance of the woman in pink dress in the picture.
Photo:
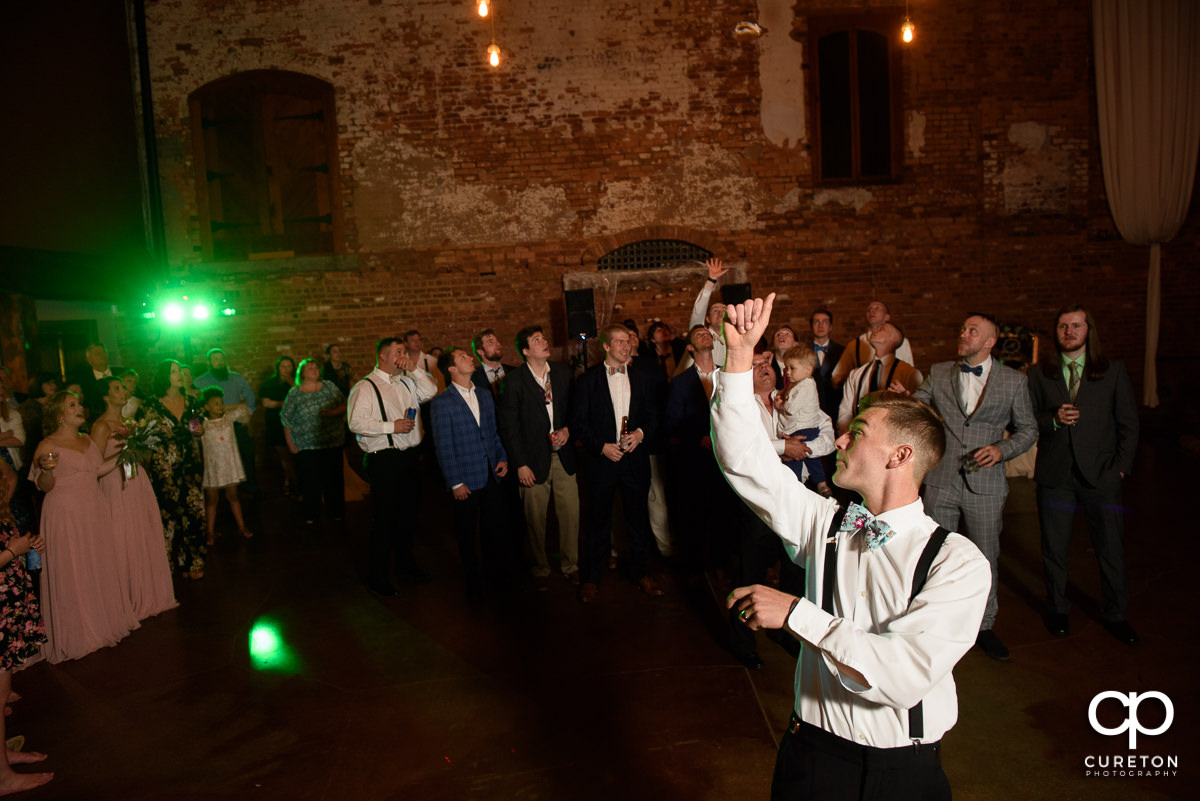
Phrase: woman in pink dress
(84, 604)
(137, 523)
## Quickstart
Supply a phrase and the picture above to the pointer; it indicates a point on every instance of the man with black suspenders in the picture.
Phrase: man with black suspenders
(888, 608)
(382, 413)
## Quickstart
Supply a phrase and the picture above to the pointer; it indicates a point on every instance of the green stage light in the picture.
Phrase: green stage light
(228, 312)
(200, 312)
(173, 313)
(268, 650)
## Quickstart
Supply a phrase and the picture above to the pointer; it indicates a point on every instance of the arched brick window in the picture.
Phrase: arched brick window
(651, 254)
(265, 147)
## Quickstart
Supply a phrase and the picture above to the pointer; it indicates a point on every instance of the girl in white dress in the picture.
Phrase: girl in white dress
(222, 463)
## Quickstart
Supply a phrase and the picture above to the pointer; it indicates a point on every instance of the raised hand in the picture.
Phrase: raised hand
(745, 325)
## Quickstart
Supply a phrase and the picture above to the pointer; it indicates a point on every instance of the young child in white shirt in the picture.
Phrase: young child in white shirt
(800, 410)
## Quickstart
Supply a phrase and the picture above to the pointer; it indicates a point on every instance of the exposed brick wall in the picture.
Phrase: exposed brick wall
(469, 193)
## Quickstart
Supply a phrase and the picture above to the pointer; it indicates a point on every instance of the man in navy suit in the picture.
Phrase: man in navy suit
(978, 398)
(828, 354)
(615, 411)
(1087, 416)
(472, 458)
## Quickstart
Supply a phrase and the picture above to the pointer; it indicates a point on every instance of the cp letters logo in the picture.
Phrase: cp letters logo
(1131, 701)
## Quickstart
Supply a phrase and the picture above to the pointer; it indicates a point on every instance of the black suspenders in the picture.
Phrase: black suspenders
(382, 410)
(916, 717)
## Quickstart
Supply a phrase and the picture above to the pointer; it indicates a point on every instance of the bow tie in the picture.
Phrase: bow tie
(614, 370)
(976, 370)
(820, 348)
(859, 519)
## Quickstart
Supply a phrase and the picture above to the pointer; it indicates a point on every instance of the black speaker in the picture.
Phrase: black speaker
(733, 294)
(581, 313)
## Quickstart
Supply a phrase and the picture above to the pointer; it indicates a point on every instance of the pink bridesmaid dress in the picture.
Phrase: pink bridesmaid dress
(84, 605)
(142, 562)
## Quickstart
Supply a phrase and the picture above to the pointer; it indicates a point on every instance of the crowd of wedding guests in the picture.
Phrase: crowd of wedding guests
(113, 481)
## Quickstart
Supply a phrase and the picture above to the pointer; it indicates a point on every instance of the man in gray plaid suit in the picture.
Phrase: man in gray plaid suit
(978, 398)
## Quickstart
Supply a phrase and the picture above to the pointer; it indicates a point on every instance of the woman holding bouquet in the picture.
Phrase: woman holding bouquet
(177, 469)
(84, 604)
(137, 523)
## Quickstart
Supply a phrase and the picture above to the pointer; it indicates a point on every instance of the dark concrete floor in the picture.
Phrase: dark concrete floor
(532, 696)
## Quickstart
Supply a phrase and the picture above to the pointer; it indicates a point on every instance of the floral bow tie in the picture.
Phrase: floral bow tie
(859, 519)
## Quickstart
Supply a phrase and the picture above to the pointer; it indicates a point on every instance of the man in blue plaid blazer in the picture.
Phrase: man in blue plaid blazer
(978, 398)
(472, 460)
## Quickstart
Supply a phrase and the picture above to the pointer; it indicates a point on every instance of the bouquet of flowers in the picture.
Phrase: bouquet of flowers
(140, 440)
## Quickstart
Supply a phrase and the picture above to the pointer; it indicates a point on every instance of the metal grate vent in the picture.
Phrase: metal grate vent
(653, 254)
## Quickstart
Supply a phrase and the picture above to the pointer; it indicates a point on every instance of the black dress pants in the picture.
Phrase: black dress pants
(484, 511)
(814, 764)
(393, 475)
(632, 480)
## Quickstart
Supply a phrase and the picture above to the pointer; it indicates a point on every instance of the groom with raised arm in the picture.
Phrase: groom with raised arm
(891, 603)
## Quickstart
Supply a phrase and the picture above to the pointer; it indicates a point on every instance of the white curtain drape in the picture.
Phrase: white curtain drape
(1147, 55)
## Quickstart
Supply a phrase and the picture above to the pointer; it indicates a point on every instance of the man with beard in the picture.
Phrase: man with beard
(979, 399)
(490, 373)
(237, 390)
(1087, 416)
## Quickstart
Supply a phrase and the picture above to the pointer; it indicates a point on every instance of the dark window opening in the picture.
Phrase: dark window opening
(857, 106)
(653, 254)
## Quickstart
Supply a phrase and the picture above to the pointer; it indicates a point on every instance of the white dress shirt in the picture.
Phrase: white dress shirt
(541, 382)
(700, 317)
(972, 385)
(618, 390)
(905, 655)
(768, 415)
(16, 426)
(468, 395)
(400, 393)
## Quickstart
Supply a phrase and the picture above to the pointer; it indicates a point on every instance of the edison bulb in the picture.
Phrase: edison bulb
(483, 8)
(908, 31)
(494, 55)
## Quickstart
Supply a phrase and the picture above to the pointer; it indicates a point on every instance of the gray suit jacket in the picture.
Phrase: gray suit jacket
(1005, 400)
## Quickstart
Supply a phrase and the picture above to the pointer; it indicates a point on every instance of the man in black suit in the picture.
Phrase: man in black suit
(491, 372)
(534, 412)
(665, 349)
(1087, 417)
(828, 354)
(705, 500)
(614, 412)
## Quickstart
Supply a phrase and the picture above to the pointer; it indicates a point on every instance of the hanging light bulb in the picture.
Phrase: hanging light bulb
(483, 8)
(908, 30)
(494, 54)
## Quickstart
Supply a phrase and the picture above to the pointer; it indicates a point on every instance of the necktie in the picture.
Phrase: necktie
(875, 371)
(549, 393)
(1073, 384)
(976, 370)
(615, 370)
(858, 519)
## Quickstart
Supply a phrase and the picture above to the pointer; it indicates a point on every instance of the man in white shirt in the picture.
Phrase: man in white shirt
(711, 315)
(886, 370)
(860, 351)
(382, 414)
(876, 653)
(979, 399)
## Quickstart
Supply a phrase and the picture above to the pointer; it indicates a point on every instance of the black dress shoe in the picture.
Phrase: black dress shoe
(1058, 624)
(383, 590)
(752, 660)
(991, 645)
(1122, 631)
